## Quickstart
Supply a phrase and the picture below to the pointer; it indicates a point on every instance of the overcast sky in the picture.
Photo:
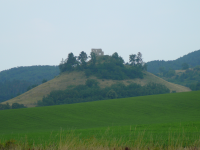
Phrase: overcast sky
(42, 32)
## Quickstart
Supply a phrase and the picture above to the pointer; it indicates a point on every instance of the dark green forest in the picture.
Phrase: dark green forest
(16, 81)
(10, 89)
(192, 59)
(33, 74)
(92, 92)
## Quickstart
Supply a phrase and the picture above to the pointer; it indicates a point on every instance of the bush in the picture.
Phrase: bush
(17, 106)
(111, 94)
(14, 106)
(44, 80)
(91, 82)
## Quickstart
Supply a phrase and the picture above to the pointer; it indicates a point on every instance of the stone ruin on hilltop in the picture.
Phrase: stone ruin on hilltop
(98, 52)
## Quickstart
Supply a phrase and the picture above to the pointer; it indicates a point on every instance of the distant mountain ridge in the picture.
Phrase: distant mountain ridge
(33, 74)
(192, 59)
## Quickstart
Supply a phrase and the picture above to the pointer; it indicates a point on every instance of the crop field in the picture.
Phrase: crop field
(167, 119)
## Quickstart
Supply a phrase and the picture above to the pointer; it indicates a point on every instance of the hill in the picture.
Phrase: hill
(192, 59)
(67, 80)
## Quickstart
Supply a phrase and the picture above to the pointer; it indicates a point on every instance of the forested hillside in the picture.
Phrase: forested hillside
(189, 77)
(18, 80)
(192, 59)
(33, 74)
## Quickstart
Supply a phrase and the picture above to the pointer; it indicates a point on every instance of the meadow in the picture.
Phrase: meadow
(149, 121)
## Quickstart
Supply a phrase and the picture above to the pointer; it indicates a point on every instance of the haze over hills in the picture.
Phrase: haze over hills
(65, 80)
(192, 59)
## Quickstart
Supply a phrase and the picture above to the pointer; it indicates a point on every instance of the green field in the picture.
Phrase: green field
(152, 118)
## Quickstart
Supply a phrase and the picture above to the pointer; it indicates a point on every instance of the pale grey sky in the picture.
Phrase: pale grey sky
(42, 32)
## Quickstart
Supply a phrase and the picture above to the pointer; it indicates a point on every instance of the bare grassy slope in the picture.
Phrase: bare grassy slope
(65, 80)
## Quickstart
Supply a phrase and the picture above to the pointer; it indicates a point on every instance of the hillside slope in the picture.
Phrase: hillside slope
(66, 80)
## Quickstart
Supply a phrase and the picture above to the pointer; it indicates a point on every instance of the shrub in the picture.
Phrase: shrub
(111, 94)
(17, 105)
(91, 82)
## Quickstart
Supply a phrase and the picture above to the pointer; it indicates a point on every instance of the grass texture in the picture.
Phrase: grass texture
(157, 118)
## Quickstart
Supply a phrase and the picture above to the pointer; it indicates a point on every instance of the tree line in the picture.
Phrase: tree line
(13, 106)
(92, 92)
(105, 67)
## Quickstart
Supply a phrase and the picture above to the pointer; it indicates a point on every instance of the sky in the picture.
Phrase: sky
(42, 32)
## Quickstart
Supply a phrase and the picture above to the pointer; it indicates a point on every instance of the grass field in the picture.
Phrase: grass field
(155, 118)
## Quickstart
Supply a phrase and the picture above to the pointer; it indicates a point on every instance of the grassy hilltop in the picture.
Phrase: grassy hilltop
(157, 115)
(74, 78)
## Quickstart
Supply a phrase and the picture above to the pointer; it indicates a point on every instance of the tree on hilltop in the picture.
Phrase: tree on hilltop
(93, 58)
(132, 59)
(69, 63)
(139, 59)
(83, 58)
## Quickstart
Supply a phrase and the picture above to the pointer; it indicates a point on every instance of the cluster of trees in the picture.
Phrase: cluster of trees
(166, 73)
(190, 77)
(92, 92)
(13, 106)
(192, 60)
(170, 73)
(195, 86)
(105, 67)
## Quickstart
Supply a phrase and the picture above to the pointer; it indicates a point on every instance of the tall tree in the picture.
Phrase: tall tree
(71, 60)
(69, 63)
(115, 55)
(93, 58)
(139, 58)
(132, 59)
(83, 58)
